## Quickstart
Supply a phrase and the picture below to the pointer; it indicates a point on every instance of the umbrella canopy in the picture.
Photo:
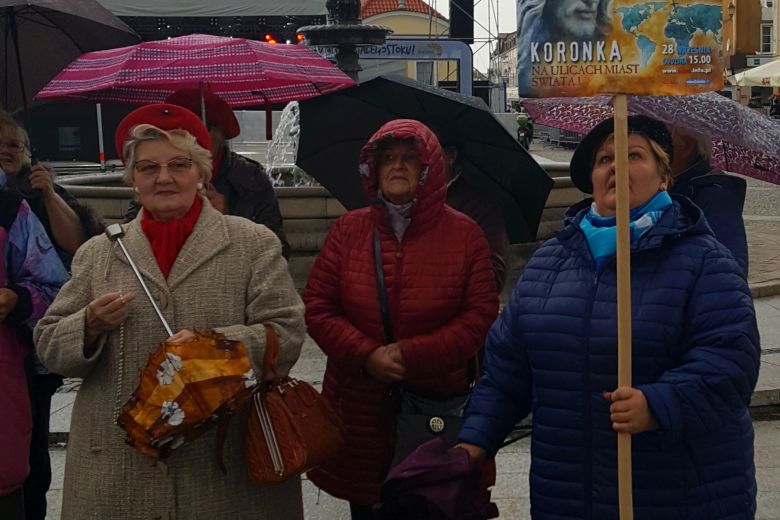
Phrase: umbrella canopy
(744, 141)
(49, 34)
(185, 388)
(241, 72)
(334, 128)
(766, 75)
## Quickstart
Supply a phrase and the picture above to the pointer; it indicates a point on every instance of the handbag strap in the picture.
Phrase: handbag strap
(473, 366)
(380, 286)
(271, 355)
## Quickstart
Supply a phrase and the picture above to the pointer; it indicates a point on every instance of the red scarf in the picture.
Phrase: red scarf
(167, 238)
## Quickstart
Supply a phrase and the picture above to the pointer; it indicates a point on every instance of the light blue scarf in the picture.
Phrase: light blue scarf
(601, 232)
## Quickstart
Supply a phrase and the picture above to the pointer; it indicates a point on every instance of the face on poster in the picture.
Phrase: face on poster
(590, 47)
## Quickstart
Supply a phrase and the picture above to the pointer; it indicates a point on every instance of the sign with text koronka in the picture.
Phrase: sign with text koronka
(589, 47)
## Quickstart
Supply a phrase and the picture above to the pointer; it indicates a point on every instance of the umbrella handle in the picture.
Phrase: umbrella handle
(203, 104)
(115, 233)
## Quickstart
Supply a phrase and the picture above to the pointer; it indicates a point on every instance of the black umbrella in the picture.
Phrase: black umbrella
(334, 127)
(41, 37)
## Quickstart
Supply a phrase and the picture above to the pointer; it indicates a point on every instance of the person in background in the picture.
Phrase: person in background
(525, 128)
(441, 296)
(774, 106)
(68, 224)
(239, 185)
(204, 269)
(481, 208)
(720, 196)
(31, 273)
(695, 350)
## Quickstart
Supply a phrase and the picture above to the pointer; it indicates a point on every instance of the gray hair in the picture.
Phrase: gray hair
(8, 123)
(530, 29)
(180, 139)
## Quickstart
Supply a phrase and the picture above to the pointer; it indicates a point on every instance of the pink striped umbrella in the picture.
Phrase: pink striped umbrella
(242, 72)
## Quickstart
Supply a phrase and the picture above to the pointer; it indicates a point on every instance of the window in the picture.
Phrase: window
(766, 38)
(425, 72)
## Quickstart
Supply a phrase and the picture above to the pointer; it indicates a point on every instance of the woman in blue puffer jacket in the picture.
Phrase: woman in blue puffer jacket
(553, 352)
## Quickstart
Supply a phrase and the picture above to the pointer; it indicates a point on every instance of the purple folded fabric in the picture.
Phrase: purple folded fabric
(437, 483)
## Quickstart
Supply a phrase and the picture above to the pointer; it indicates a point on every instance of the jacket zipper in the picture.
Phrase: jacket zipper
(587, 397)
(399, 263)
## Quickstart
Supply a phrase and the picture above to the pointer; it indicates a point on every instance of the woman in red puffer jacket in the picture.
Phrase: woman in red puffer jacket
(441, 293)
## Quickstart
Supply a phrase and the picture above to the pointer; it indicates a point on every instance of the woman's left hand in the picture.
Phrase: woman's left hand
(8, 300)
(182, 336)
(41, 179)
(629, 411)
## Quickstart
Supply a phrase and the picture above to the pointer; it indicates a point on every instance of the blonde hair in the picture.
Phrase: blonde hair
(179, 139)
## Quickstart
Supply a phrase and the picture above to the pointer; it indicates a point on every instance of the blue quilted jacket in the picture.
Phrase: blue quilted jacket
(695, 357)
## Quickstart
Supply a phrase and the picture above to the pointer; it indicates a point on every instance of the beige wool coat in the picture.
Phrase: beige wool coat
(229, 276)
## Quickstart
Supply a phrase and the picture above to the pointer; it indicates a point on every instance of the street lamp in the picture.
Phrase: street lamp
(731, 10)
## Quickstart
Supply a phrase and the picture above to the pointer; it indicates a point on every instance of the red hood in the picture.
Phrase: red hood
(431, 192)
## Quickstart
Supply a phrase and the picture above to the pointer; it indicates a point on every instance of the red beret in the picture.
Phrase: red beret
(165, 117)
(218, 112)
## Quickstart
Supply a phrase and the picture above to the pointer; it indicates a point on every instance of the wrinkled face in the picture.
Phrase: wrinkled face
(399, 167)
(571, 19)
(165, 180)
(11, 151)
(644, 177)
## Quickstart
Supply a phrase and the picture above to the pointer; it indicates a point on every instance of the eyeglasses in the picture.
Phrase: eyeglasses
(12, 146)
(174, 166)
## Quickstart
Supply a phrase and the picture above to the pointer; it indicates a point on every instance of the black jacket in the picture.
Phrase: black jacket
(721, 198)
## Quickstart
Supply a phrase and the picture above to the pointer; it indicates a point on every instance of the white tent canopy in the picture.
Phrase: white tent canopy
(766, 75)
(176, 8)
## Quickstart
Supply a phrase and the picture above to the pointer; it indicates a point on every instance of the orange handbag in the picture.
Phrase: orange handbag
(291, 428)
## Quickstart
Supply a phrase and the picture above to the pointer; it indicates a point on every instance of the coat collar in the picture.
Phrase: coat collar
(209, 237)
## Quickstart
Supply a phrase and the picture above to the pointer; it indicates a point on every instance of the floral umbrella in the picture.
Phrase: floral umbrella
(744, 141)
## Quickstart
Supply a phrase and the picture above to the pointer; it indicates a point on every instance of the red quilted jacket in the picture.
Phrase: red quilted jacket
(442, 297)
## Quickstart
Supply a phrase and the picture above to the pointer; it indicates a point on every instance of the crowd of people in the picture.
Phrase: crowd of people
(403, 297)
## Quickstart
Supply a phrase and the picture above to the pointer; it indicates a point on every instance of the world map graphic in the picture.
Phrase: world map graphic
(682, 23)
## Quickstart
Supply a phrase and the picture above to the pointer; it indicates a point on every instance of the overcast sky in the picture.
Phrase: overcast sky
(507, 22)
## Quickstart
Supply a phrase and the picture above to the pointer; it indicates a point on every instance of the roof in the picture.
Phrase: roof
(374, 7)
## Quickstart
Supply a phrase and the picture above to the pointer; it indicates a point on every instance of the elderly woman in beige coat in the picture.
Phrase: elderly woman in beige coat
(206, 271)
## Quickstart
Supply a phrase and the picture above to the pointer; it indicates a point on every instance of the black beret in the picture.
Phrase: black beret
(581, 165)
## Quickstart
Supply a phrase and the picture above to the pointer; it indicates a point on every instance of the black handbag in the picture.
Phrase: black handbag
(420, 417)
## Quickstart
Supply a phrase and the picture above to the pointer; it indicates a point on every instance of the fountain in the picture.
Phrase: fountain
(345, 31)
(280, 159)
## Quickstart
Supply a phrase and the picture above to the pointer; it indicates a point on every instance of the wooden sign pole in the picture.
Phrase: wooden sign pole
(625, 485)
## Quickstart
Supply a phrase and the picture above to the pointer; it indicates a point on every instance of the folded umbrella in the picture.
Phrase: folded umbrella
(185, 389)
(333, 129)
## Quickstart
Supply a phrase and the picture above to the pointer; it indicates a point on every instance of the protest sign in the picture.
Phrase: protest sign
(640, 47)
